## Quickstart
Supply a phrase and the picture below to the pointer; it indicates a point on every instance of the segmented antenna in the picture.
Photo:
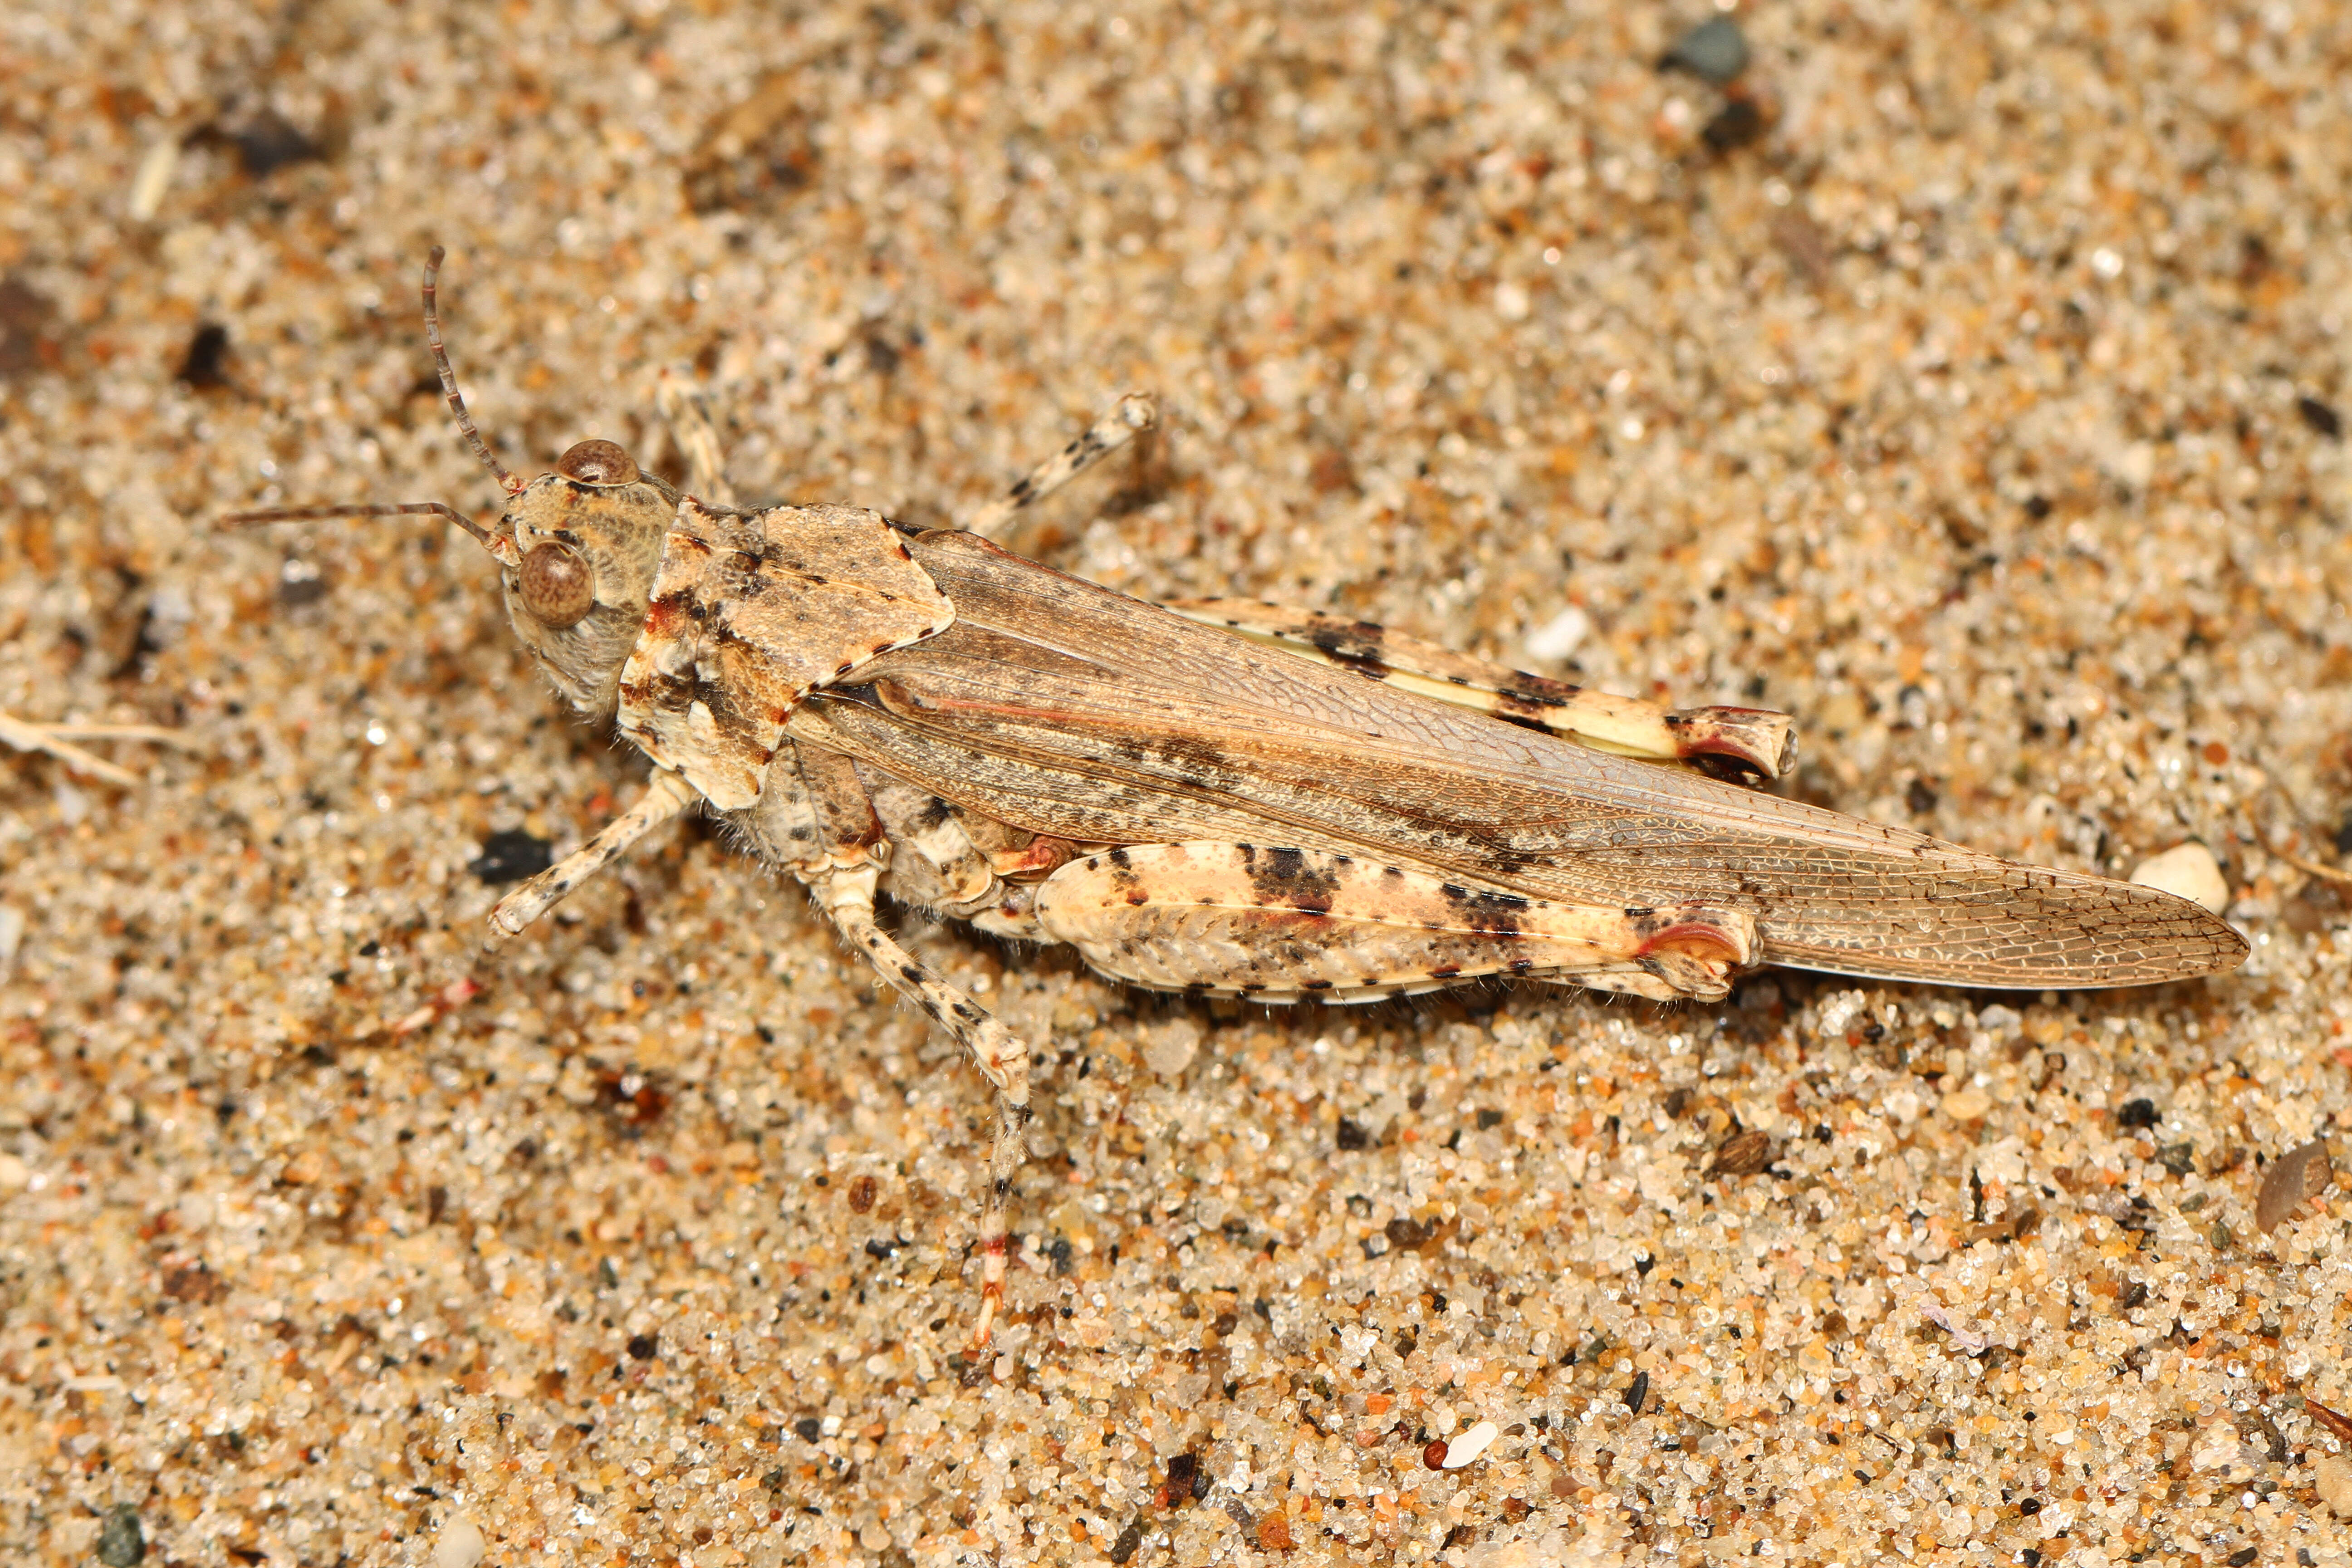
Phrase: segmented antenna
(501, 548)
(506, 481)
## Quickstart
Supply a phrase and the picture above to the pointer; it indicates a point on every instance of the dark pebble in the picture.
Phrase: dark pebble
(268, 142)
(121, 1541)
(510, 857)
(1735, 125)
(1404, 1232)
(24, 316)
(204, 365)
(1716, 50)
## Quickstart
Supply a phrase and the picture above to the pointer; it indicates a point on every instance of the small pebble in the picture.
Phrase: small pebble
(153, 178)
(267, 141)
(1559, 636)
(121, 1541)
(461, 1544)
(1716, 50)
(1169, 1049)
(1735, 125)
(2189, 871)
(2292, 1179)
(205, 364)
(1743, 1154)
(2332, 1480)
(1967, 1104)
(1465, 1448)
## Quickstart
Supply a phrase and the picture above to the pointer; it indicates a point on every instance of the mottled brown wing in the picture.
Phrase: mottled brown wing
(749, 613)
(1069, 708)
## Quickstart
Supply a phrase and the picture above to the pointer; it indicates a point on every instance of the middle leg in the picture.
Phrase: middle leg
(843, 874)
(1133, 414)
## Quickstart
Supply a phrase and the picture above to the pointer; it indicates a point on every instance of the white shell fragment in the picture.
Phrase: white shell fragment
(461, 1544)
(1559, 637)
(2191, 871)
(1169, 1049)
(1465, 1450)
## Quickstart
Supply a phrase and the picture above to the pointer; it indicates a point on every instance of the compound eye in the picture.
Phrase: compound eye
(557, 587)
(597, 463)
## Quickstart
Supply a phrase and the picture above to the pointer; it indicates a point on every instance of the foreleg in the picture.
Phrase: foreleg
(668, 796)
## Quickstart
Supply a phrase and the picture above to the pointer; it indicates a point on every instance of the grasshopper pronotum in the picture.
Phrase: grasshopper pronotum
(1212, 797)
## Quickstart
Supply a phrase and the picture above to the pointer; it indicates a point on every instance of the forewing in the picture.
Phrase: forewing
(1048, 677)
(748, 614)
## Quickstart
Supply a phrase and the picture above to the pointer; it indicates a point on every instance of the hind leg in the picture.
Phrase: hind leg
(1287, 925)
(1753, 738)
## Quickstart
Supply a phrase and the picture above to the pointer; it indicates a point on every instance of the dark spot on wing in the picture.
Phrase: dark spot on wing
(1199, 761)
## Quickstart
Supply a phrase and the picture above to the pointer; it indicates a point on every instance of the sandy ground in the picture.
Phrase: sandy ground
(1971, 388)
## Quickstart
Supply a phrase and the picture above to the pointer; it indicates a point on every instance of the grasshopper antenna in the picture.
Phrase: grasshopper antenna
(506, 481)
(500, 547)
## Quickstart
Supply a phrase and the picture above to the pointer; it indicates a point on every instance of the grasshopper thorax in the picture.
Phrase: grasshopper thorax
(584, 543)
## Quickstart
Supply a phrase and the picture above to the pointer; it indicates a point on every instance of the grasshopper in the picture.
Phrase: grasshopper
(1220, 797)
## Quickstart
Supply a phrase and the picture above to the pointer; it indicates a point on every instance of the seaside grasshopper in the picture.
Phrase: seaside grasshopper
(1221, 798)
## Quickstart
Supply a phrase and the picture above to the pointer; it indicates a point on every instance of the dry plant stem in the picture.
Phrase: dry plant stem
(2342, 879)
(56, 740)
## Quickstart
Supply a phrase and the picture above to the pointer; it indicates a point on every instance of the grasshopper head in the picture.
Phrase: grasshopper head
(579, 548)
